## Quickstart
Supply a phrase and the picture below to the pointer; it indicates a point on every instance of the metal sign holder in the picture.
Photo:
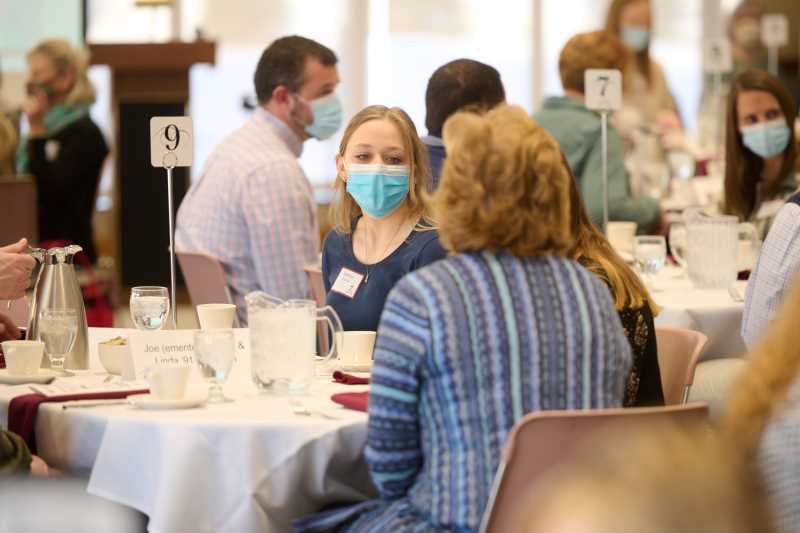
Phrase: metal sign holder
(170, 161)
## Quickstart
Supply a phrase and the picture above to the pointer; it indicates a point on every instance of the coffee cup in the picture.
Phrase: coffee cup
(168, 382)
(23, 357)
(216, 316)
(620, 235)
(355, 347)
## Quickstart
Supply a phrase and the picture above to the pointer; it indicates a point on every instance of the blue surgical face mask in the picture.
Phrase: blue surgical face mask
(766, 139)
(378, 189)
(327, 119)
(637, 37)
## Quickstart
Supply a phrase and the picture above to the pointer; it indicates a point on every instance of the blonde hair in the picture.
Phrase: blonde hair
(642, 58)
(660, 479)
(595, 253)
(504, 186)
(8, 145)
(596, 49)
(344, 209)
(67, 58)
(774, 364)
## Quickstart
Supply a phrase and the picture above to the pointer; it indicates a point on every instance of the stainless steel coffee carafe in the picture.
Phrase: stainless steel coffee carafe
(57, 288)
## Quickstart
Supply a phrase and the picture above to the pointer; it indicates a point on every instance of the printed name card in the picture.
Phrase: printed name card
(603, 89)
(171, 142)
(176, 348)
(774, 30)
(717, 56)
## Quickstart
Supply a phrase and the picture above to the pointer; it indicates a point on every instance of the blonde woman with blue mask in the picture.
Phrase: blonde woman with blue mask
(382, 228)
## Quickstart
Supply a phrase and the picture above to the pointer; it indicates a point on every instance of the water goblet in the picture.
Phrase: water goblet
(149, 307)
(58, 329)
(650, 252)
(214, 350)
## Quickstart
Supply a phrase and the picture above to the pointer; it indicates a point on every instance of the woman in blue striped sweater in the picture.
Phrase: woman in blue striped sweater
(467, 345)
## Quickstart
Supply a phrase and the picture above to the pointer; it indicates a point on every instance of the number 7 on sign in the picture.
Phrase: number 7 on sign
(603, 89)
(171, 142)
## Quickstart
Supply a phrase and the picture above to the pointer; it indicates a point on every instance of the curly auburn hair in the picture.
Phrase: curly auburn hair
(595, 49)
(504, 186)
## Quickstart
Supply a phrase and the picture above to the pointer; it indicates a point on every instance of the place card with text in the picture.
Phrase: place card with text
(176, 348)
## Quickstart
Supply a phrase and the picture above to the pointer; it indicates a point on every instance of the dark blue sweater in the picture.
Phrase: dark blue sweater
(363, 311)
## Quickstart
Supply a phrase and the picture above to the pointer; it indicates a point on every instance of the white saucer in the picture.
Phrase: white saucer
(146, 401)
(355, 367)
(44, 377)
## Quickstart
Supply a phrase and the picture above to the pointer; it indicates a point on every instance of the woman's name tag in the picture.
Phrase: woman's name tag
(347, 282)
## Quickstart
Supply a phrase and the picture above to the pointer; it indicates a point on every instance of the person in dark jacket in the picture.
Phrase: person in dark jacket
(457, 85)
(64, 148)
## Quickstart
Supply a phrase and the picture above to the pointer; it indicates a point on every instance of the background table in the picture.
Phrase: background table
(712, 312)
(248, 465)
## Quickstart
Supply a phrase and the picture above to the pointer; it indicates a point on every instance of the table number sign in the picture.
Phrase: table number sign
(603, 93)
(171, 146)
(717, 57)
(171, 142)
(774, 34)
(603, 89)
(176, 348)
(774, 30)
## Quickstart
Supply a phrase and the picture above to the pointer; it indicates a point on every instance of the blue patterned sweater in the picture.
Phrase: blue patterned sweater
(466, 346)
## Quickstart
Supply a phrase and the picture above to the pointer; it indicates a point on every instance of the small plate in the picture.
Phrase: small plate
(355, 367)
(146, 401)
(44, 377)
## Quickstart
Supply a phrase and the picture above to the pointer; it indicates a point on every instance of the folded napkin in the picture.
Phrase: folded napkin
(357, 401)
(22, 410)
(349, 379)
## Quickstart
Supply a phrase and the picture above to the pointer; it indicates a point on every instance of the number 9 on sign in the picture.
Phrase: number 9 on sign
(171, 142)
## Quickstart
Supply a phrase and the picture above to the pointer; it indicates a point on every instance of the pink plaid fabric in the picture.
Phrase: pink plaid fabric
(253, 209)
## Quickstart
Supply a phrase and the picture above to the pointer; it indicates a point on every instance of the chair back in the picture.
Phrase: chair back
(205, 278)
(314, 275)
(18, 310)
(678, 353)
(20, 210)
(541, 440)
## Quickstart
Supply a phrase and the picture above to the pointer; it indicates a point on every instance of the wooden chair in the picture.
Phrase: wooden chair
(678, 353)
(544, 439)
(20, 210)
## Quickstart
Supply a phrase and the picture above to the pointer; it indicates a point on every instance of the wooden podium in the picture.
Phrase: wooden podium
(147, 80)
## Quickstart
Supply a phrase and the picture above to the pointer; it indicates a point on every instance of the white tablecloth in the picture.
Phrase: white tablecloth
(712, 312)
(248, 465)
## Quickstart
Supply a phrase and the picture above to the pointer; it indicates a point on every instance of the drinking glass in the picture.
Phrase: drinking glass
(650, 252)
(149, 307)
(214, 350)
(58, 329)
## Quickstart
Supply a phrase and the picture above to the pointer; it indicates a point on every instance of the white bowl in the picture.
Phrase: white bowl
(112, 356)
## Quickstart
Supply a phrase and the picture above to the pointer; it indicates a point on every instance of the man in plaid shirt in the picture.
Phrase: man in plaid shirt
(252, 207)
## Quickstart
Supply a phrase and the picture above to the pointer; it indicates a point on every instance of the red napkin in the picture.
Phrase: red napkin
(23, 409)
(357, 401)
(348, 379)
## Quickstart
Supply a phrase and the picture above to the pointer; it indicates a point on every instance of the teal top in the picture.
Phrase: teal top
(577, 130)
